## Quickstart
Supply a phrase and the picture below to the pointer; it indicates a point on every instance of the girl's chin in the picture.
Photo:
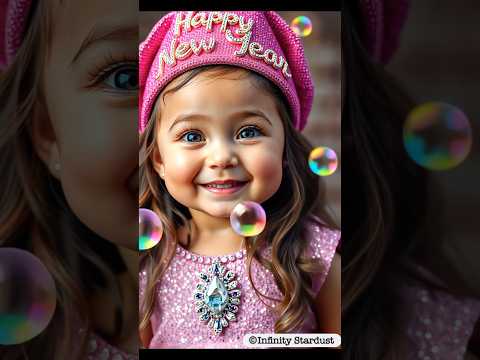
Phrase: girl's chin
(220, 213)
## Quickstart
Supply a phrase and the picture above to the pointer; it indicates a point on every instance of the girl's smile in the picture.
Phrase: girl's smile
(225, 187)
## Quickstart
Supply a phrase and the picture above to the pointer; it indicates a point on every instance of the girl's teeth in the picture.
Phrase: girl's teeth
(220, 186)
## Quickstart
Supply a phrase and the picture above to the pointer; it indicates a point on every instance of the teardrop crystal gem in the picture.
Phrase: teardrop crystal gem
(216, 295)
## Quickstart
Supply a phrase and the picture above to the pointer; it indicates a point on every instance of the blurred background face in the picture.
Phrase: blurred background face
(219, 128)
(90, 87)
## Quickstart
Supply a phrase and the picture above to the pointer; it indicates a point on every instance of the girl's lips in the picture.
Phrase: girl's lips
(225, 188)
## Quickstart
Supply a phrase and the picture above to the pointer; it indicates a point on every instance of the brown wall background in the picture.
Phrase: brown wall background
(323, 51)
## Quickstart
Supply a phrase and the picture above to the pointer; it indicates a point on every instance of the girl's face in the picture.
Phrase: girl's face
(88, 127)
(215, 129)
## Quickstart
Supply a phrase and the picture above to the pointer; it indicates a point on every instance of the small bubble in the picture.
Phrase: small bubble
(27, 296)
(323, 161)
(302, 26)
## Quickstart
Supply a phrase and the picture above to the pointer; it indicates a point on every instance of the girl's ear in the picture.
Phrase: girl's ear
(158, 164)
(44, 140)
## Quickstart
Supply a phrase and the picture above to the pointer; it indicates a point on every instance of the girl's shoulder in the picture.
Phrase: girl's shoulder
(323, 242)
(322, 239)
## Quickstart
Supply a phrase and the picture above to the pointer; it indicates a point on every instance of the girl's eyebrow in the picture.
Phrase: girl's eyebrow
(240, 114)
(186, 118)
(107, 32)
(252, 113)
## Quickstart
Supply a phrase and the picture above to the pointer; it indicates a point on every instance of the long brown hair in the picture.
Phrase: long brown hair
(301, 194)
(34, 214)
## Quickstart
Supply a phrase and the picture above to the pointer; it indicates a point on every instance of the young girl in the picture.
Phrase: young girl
(223, 98)
(68, 165)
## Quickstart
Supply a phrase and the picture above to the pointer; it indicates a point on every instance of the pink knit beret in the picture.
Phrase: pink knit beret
(13, 17)
(383, 21)
(260, 41)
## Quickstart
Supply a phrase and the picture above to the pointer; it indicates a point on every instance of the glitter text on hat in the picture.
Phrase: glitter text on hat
(202, 46)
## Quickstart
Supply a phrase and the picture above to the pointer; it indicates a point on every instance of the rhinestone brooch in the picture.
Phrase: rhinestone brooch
(217, 297)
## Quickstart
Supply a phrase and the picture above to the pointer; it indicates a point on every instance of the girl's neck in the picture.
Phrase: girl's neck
(210, 236)
(208, 224)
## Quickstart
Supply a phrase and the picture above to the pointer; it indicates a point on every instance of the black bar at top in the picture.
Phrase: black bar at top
(293, 5)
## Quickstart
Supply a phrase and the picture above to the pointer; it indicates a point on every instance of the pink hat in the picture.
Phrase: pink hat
(13, 17)
(260, 41)
(383, 21)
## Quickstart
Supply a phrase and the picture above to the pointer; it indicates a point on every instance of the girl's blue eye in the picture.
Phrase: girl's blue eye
(249, 132)
(192, 136)
(123, 78)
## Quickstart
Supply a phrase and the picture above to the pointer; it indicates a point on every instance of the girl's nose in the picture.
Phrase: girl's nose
(222, 156)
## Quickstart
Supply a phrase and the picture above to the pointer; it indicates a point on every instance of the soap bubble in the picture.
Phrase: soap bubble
(437, 136)
(248, 218)
(323, 161)
(150, 229)
(302, 26)
(27, 296)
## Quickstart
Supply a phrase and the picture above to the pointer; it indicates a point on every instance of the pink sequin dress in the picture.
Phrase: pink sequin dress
(176, 323)
(99, 349)
(440, 323)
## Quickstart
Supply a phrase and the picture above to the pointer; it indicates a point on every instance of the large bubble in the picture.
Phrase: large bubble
(248, 218)
(27, 296)
(437, 136)
(150, 229)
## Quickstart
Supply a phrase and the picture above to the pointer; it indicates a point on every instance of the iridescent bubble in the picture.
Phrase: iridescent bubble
(302, 26)
(150, 229)
(248, 218)
(323, 161)
(437, 136)
(27, 296)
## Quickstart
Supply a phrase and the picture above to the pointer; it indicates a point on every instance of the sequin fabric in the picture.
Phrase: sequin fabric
(440, 324)
(175, 323)
(99, 349)
(269, 30)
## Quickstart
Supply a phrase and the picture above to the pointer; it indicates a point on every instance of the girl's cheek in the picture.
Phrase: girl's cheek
(106, 155)
(265, 165)
(181, 167)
